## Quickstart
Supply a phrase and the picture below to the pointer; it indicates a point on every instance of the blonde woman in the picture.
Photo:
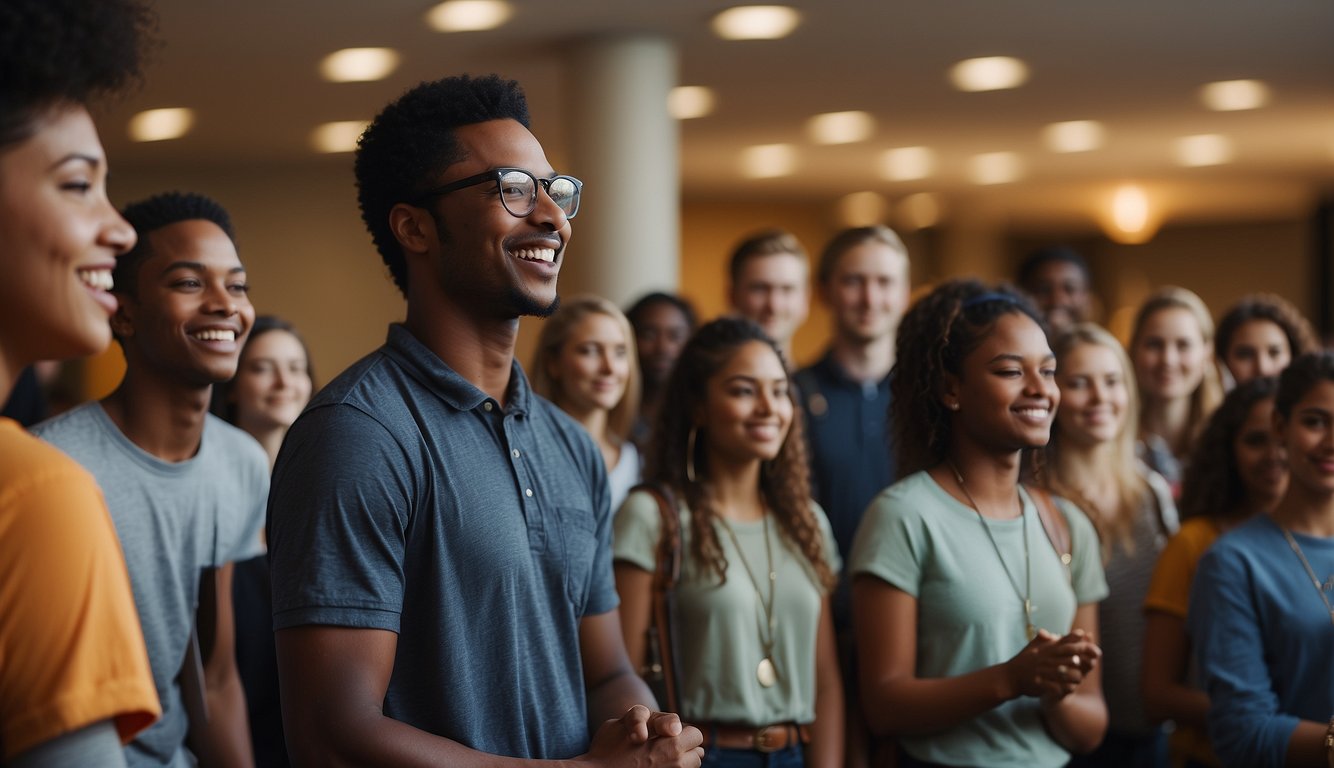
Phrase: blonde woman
(1179, 385)
(585, 364)
(1091, 460)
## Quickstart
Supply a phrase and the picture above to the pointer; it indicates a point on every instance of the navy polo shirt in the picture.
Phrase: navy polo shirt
(405, 499)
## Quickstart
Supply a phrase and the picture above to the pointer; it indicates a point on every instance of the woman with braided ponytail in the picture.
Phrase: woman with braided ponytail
(975, 636)
(758, 560)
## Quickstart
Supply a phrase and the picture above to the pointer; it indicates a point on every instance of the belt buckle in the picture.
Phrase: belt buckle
(769, 738)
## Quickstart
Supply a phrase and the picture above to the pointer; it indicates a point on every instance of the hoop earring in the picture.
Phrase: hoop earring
(690, 454)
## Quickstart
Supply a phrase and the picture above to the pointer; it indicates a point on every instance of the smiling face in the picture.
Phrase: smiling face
(501, 265)
(272, 382)
(1308, 437)
(867, 291)
(1094, 395)
(1007, 393)
(1257, 348)
(593, 365)
(1259, 457)
(747, 409)
(770, 290)
(1061, 291)
(60, 237)
(190, 314)
(661, 331)
(1170, 355)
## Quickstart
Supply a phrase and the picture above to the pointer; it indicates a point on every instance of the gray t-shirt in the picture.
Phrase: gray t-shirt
(173, 521)
(405, 499)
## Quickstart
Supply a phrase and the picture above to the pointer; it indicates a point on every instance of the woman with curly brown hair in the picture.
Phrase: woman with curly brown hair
(975, 640)
(1237, 470)
(1260, 335)
(759, 560)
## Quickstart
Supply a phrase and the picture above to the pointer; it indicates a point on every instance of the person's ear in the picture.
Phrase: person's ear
(122, 320)
(413, 228)
(949, 392)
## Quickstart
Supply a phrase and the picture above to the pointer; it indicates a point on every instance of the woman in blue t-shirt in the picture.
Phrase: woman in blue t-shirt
(975, 641)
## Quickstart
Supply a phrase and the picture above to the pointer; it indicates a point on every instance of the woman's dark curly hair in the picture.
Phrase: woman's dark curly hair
(1266, 306)
(784, 483)
(1211, 486)
(1300, 377)
(55, 52)
(935, 336)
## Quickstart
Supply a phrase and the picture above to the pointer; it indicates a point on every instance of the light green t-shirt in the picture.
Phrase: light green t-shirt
(720, 624)
(918, 538)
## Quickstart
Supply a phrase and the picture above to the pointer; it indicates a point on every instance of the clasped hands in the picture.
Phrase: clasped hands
(1051, 667)
(641, 737)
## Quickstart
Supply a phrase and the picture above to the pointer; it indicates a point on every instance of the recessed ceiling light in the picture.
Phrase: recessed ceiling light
(768, 161)
(756, 22)
(907, 163)
(469, 15)
(1205, 149)
(989, 73)
(841, 127)
(686, 102)
(340, 136)
(1234, 95)
(358, 65)
(918, 211)
(862, 209)
(1074, 136)
(161, 124)
(995, 168)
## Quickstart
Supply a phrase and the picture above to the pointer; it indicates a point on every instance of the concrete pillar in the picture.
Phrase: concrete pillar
(624, 145)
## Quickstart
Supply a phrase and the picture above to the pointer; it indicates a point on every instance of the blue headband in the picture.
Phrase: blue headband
(988, 297)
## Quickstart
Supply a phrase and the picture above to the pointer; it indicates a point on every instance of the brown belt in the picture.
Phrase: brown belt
(768, 738)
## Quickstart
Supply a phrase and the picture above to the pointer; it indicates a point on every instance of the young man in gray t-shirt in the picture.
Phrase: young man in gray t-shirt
(185, 489)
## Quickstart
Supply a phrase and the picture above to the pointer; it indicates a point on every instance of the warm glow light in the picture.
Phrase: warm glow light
(768, 161)
(337, 137)
(686, 102)
(468, 15)
(907, 163)
(359, 65)
(1073, 136)
(990, 73)
(995, 168)
(756, 22)
(1205, 149)
(862, 209)
(1131, 218)
(841, 127)
(918, 211)
(161, 124)
(1234, 95)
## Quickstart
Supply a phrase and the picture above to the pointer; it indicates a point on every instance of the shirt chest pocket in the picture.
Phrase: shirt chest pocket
(578, 552)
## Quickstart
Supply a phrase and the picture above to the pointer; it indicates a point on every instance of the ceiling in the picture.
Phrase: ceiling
(250, 70)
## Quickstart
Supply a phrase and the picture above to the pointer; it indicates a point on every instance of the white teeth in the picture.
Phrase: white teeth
(215, 335)
(537, 254)
(96, 278)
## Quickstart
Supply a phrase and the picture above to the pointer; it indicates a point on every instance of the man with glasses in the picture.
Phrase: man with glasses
(439, 536)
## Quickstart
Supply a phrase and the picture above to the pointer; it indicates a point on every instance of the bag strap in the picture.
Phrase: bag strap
(666, 574)
(1054, 523)
(668, 569)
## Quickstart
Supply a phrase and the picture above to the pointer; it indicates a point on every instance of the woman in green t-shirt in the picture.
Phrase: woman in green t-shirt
(758, 671)
(975, 641)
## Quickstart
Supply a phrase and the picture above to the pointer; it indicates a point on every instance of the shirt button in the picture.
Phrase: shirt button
(528, 492)
(487, 406)
(515, 453)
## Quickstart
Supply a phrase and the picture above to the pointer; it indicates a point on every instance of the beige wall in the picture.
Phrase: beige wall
(311, 261)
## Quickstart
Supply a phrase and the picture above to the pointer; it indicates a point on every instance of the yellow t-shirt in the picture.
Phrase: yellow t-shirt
(1169, 592)
(71, 651)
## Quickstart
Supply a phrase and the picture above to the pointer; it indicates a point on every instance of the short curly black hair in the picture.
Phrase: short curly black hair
(56, 52)
(407, 146)
(154, 213)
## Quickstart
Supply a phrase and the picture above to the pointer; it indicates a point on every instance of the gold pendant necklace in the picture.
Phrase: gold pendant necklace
(1030, 629)
(1315, 580)
(766, 673)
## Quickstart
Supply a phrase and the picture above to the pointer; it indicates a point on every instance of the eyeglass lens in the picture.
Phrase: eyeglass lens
(518, 191)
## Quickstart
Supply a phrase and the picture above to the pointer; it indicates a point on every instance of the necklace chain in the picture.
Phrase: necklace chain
(766, 605)
(1315, 580)
(1030, 630)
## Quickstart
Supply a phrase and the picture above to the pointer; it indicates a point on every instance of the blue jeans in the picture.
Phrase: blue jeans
(717, 757)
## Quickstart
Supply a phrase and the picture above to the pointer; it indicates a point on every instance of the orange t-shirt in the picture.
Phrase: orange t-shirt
(71, 651)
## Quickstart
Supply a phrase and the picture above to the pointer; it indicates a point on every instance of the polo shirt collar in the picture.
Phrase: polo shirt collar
(428, 369)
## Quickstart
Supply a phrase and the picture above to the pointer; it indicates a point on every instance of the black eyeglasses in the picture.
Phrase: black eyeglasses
(518, 190)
